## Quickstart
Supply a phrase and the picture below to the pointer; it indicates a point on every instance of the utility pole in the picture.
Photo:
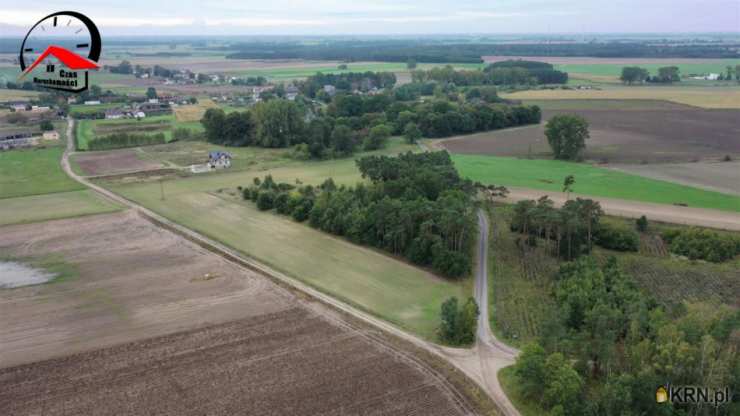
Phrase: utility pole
(161, 188)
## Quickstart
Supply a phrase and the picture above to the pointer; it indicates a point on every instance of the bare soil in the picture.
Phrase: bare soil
(112, 162)
(292, 362)
(154, 324)
(632, 137)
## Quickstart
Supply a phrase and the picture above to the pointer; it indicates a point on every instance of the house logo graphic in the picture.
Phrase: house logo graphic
(68, 45)
(661, 395)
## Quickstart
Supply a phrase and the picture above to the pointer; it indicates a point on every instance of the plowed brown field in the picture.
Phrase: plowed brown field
(623, 136)
(153, 324)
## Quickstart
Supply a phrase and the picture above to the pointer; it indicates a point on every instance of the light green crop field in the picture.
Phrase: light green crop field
(13, 95)
(699, 96)
(58, 205)
(391, 289)
(590, 180)
(33, 172)
(303, 71)
(615, 70)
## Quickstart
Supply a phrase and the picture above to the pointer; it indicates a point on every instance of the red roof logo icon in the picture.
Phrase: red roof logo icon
(70, 59)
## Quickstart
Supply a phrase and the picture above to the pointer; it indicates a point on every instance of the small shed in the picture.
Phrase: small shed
(51, 135)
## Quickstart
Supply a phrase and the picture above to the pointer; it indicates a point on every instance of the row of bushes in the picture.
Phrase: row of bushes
(122, 140)
(616, 238)
(702, 244)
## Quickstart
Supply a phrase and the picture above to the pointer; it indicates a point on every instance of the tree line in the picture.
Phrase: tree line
(512, 72)
(351, 121)
(416, 206)
(637, 75)
(441, 51)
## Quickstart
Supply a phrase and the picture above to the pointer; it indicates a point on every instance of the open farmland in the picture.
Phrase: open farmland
(177, 325)
(643, 134)
(547, 175)
(716, 176)
(396, 291)
(87, 130)
(52, 206)
(113, 162)
(32, 172)
(698, 96)
(194, 112)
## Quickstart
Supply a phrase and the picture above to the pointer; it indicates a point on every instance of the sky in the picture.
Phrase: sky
(331, 17)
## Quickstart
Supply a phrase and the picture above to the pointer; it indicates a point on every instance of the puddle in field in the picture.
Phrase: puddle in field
(13, 274)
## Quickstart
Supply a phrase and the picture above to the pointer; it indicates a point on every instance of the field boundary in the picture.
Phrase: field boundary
(293, 285)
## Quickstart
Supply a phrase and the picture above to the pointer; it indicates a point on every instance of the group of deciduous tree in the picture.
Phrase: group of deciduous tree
(637, 75)
(416, 206)
(702, 244)
(351, 121)
(458, 322)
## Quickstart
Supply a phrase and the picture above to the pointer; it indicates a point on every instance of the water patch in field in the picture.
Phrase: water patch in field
(14, 274)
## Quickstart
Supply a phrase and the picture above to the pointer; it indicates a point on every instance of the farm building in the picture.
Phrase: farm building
(17, 140)
(92, 102)
(19, 105)
(114, 113)
(219, 159)
(51, 135)
(154, 109)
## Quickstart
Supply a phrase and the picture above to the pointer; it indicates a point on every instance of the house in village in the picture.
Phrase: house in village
(330, 89)
(291, 91)
(218, 159)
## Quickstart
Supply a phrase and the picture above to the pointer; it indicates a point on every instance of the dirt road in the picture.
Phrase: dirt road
(633, 209)
(493, 354)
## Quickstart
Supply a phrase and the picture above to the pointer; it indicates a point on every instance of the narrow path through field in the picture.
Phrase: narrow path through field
(480, 363)
(493, 354)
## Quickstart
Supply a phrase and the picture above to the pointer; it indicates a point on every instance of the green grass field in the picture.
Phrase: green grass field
(58, 205)
(85, 129)
(33, 172)
(590, 180)
(391, 289)
(260, 161)
(82, 108)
